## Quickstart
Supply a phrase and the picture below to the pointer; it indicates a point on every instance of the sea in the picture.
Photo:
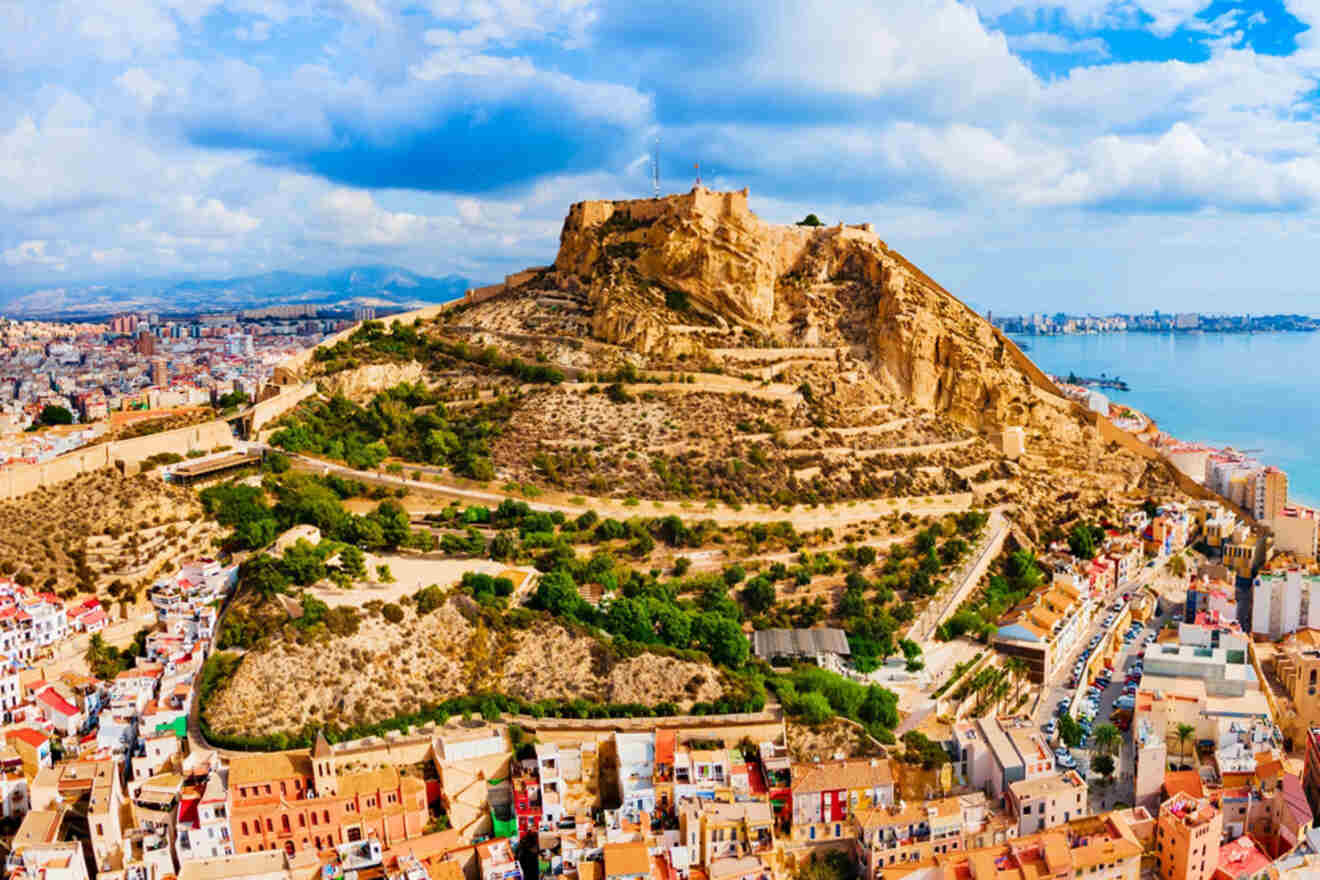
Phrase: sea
(1257, 391)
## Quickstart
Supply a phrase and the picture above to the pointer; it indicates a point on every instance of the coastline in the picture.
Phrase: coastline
(1198, 396)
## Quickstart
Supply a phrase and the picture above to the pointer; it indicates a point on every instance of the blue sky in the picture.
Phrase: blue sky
(1085, 155)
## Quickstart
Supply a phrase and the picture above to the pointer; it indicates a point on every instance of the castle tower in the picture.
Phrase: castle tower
(323, 768)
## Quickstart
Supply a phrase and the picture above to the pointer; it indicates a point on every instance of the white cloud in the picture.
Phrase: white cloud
(32, 252)
(439, 65)
(1057, 44)
(210, 218)
(140, 84)
(352, 217)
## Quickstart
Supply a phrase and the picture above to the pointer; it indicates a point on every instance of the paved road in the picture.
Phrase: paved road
(1057, 689)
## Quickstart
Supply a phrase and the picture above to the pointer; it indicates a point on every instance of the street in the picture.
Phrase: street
(1103, 797)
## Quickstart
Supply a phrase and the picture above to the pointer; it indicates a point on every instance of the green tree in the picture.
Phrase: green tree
(912, 653)
(55, 415)
(1107, 739)
(1104, 765)
(1184, 733)
(1069, 731)
(629, 619)
(1018, 670)
(353, 562)
(264, 576)
(810, 220)
(1084, 540)
(759, 594)
(814, 708)
(722, 638)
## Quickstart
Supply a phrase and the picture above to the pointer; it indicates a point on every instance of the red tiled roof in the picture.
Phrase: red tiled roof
(52, 699)
(1183, 781)
(27, 735)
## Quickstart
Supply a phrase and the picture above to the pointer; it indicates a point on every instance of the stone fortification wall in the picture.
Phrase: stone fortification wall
(127, 455)
(272, 408)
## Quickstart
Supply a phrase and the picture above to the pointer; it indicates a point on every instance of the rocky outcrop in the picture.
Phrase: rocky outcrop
(648, 265)
(371, 379)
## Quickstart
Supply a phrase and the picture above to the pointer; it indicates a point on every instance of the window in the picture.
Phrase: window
(245, 831)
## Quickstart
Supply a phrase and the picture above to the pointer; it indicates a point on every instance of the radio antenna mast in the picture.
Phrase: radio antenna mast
(655, 170)
(698, 167)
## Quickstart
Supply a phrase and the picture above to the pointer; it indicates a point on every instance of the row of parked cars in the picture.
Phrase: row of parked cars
(1092, 696)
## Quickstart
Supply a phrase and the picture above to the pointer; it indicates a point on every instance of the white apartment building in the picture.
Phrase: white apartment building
(636, 753)
(1283, 602)
(205, 834)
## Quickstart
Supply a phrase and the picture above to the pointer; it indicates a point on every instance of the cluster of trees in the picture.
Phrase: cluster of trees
(1018, 575)
(817, 694)
(390, 425)
(1085, 540)
(647, 612)
(52, 415)
(372, 342)
(548, 538)
(107, 661)
(919, 749)
(309, 500)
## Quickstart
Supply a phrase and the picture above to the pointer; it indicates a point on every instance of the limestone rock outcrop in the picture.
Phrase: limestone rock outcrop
(652, 268)
(371, 379)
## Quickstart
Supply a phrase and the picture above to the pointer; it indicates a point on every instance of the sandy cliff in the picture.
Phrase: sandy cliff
(651, 268)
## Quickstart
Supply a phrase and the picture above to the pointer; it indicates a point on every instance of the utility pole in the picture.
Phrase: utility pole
(655, 170)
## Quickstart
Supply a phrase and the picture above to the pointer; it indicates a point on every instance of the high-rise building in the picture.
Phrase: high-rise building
(1187, 838)
(146, 343)
(160, 374)
(1270, 493)
(124, 325)
(364, 313)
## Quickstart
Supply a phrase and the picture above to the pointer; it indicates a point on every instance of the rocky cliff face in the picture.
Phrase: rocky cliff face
(673, 277)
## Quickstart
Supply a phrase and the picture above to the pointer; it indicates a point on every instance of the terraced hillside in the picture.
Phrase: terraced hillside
(721, 426)
(682, 349)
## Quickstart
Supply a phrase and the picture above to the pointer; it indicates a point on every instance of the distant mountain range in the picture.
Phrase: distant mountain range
(380, 286)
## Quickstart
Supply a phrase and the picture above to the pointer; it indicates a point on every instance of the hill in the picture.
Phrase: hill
(359, 285)
(726, 425)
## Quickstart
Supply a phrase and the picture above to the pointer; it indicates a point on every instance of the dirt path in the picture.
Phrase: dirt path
(803, 518)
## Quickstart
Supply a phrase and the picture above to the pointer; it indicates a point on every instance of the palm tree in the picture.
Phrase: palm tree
(1185, 732)
(1108, 741)
(1017, 668)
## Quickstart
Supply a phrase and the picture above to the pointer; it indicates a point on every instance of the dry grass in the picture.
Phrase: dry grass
(96, 529)
(387, 669)
(824, 741)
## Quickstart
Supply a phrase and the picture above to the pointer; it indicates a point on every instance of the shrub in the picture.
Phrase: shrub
(391, 612)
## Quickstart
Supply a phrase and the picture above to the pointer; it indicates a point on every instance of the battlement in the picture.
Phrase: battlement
(699, 200)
